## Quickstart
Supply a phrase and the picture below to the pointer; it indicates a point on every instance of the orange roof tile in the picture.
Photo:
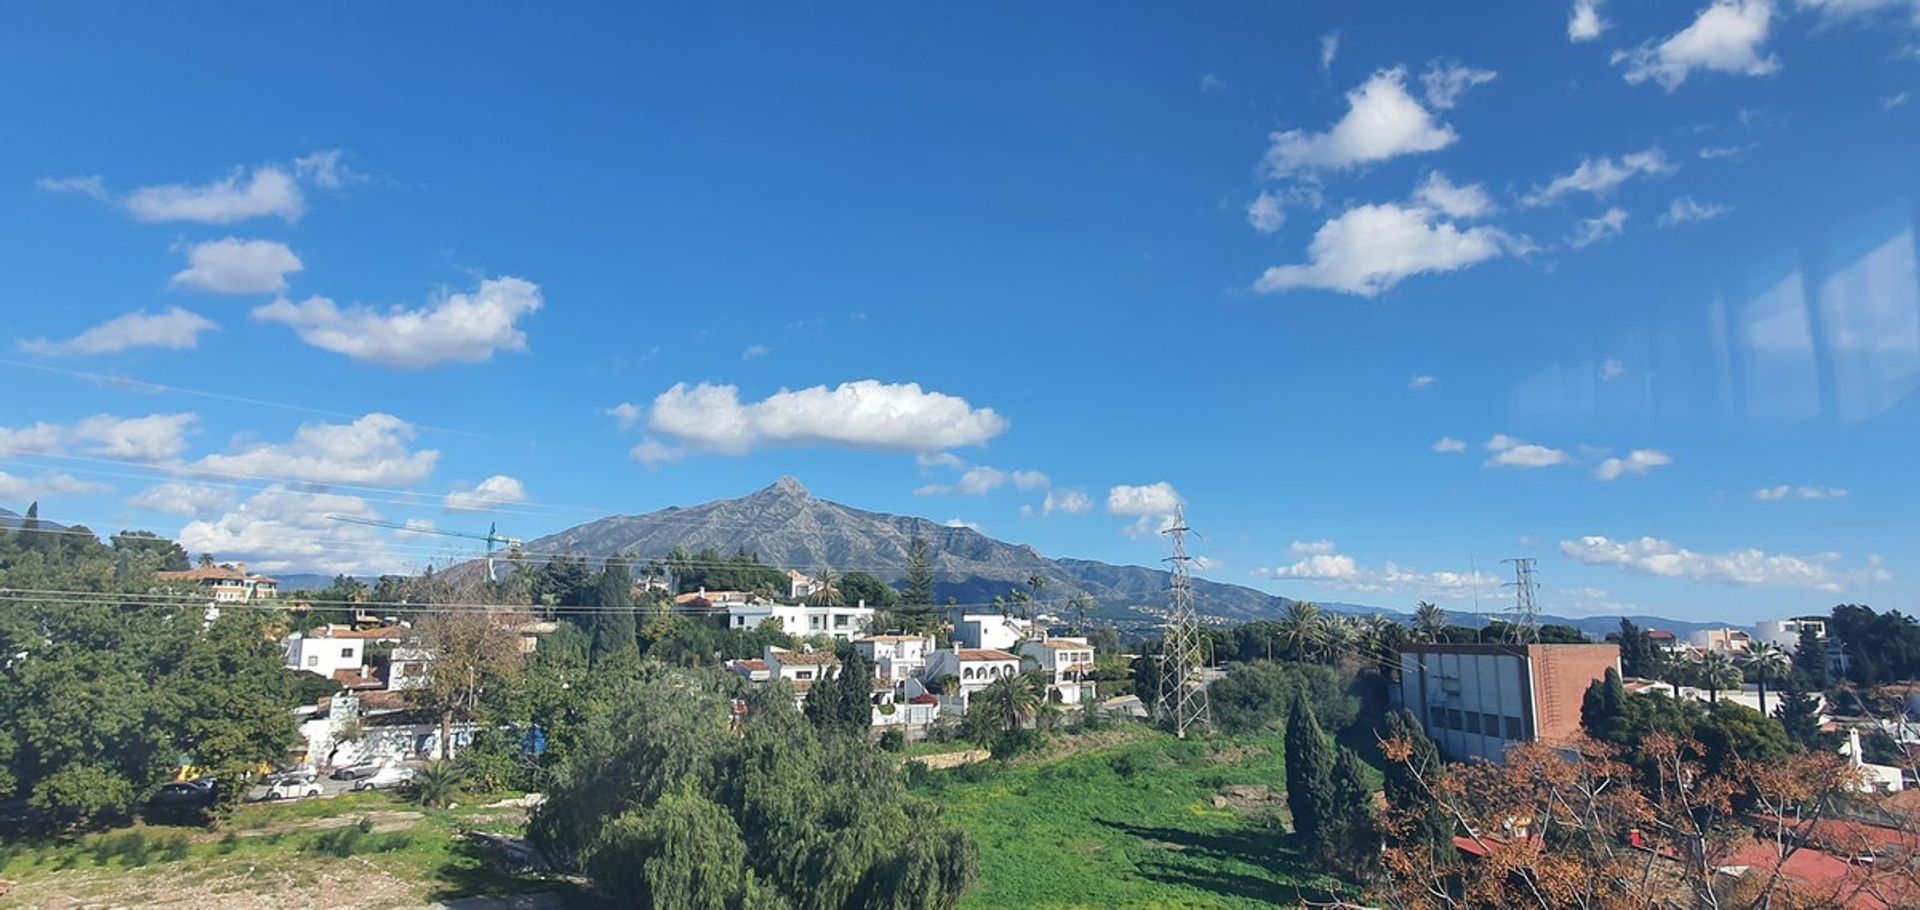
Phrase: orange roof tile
(971, 654)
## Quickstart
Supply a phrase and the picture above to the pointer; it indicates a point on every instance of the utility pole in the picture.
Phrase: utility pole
(1526, 614)
(1183, 693)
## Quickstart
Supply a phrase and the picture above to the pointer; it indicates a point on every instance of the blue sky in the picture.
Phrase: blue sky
(1384, 295)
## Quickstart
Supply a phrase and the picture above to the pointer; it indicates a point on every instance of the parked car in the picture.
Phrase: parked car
(391, 777)
(297, 785)
(186, 800)
(357, 771)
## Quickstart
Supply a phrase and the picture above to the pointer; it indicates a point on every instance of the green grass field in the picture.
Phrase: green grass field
(1129, 825)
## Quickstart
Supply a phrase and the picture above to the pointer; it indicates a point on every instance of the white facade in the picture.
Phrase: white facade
(974, 668)
(325, 656)
(1873, 778)
(1785, 633)
(1471, 704)
(803, 621)
(407, 668)
(897, 657)
(990, 631)
(384, 735)
(1067, 662)
(801, 586)
(1729, 641)
(801, 666)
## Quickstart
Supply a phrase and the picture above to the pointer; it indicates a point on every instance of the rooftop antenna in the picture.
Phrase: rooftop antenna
(1183, 693)
(1526, 614)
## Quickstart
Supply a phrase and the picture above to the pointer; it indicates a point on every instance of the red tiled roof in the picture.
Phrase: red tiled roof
(984, 654)
(924, 698)
(756, 665)
(382, 701)
(200, 573)
(1819, 876)
(807, 659)
(384, 633)
(1660, 635)
(1059, 645)
(354, 679)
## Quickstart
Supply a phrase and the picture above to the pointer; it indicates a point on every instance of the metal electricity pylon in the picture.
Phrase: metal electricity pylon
(1182, 704)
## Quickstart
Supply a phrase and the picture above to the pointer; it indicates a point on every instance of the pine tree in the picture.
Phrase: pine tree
(1417, 821)
(1800, 713)
(1810, 658)
(1358, 836)
(1636, 651)
(613, 624)
(1601, 707)
(1310, 796)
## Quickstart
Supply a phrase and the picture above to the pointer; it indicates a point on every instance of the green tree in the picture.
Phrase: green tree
(1429, 621)
(1800, 715)
(1810, 659)
(1310, 795)
(843, 701)
(1356, 837)
(1637, 655)
(1603, 706)
(437, 784)
(613, 626)
(860, 587)
(1302, 631)
(685, 854)
(1415, 819)
(919, 592)
(1715, 671)
(1766, 663)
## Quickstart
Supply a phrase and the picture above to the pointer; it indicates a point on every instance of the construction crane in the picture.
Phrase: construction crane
(494, 541)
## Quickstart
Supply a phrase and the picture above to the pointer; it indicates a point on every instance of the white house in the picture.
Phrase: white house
(801, 586)
(1067, 663)
(329, 651)
(350, 728)
(972, 668)
(1873, 778)
(990, 631)
(801, 669)
(802, 620)
(1785, 633)
(1730, 641)
(897, 657)
(751, 670)
(407, 668)
(225, 584)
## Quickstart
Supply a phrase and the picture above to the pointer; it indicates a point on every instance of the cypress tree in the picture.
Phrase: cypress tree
(1810, 658)
(1418, 820)
(613, 623)
(1601, 707)
(1310, 795)
(1358, 837)
(1800, 713)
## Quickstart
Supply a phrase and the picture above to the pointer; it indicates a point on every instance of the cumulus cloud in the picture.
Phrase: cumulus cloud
(1321, 565)
(1600, 176)
(1585, 23)
(1448, 444)
(1611, 369)
(17, 488)
(325, 169)
(1749, 567)
(1726, 37)
(267, 192)
(1070, 502)
(976, 481)
(1593, 230)
(155, 437)
(626, 414)
(279, 530)
(495, 491)
(1329, 49)
(1030, 480)
(1368, 249)
(1150, 505)
(174, 330)
(1266, 214)
(868, 414)
(452, 328)
(963, 523)
(1439, 193)
(928, 460)
(235, 266)
(91, 187)
(184, 499)
(1420, 383)
(653, 453)
(1446, 81)
(1686, 210)
(1512, 452)
(755, 350)
(371, 451)
(1789, 491)
(1382, 121)
(1639, 461)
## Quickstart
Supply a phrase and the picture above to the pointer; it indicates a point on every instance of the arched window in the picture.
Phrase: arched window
(966, 673)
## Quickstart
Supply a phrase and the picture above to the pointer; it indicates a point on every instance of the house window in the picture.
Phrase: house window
(1513, 727)
(1454, 721)
(346, 653)
(1473, 722)
(803, 674)
(313, 660)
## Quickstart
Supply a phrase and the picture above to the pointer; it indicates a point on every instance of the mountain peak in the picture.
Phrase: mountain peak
(788, 486)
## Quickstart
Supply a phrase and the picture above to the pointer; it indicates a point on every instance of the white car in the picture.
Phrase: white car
(388, 778)
(294, 786)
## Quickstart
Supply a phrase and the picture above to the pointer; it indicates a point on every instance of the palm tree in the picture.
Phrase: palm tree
(1716, 671)
(1012, 699)
(437, 784)
(1767, 662)
(826, 595)
(1429, 621)
(1302, 628)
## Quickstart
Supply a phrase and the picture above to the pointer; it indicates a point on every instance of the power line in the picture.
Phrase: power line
(1183, 691)
(1526, 613)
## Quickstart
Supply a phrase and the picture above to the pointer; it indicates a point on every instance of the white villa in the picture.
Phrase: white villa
(225, 584)
(1067, 662)
(990, 631)
(336, 653)
(802, 620)
(897, 657)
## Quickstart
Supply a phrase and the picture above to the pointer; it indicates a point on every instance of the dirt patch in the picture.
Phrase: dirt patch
(941, 761)
(235, 884)
(1062, 746)
(1249, 798)
(383, 821)
(1237, 755)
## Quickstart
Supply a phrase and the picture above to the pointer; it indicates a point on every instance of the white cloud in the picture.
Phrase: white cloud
(91, 187)
(1512, 452)
(186, 499)
(1265, 213)
(155, 437)
(975, 481)
(654, 453)
(939, 460)
(1686, 210)
(1212, 83)
(495, 491)
(175, 330)
(34, 488)
(1599, 176)
(1030, 480)
(1749, 567)
(1785, 491)
(1152, 500)
(1593, 230)
(1448, 444)
(1324, 567)
(1070, 502)
(625, 414)
(1470, 201)
(324, 169)
(1843, 10)
(963, 523)
(755, 350)
(452, 328)
(1421, 383)
(1894, 100)
(1585, 23)
(1368, 249)
(867, 414)
(235, 266)
(371, 451)
(1329, 49)
(1382, 121)
(1726, 37)
(1639, 461)
(1208, 564)
(280, 530)
(1611, 369)
(1712, 152)
(1447, 81)
(269, 191)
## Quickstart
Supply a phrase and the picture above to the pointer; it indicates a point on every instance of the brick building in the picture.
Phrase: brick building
(1476, 699)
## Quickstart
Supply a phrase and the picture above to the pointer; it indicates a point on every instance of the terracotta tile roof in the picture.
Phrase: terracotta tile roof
(201, 573)
(354, 679)
(971, 654)
(756, 665)
(807, 659)
(1059, 645)
(382, 701)
(889, 639)
(383, 633)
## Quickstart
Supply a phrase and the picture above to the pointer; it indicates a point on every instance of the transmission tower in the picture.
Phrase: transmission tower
(1183, 693)
(1526, 614)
